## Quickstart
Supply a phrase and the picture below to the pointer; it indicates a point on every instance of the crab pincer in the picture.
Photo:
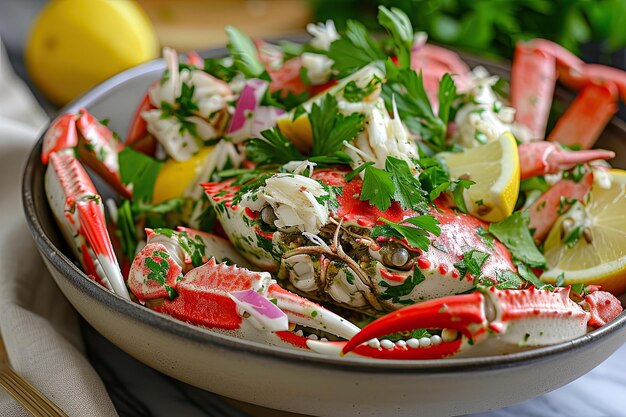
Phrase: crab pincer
(93, 142)
(540, 158)
(79, 212)
(515, 318)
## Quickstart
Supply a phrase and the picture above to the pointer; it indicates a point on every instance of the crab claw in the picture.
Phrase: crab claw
(464, 313)
(138, 136)
(61, 135)
(540, 158)
(516, 318)
(98, 149)
(79, 212)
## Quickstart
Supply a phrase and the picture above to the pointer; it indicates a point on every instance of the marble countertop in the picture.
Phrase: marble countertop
(139, 391)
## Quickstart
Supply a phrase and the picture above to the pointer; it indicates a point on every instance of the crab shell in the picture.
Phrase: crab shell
(427, 275)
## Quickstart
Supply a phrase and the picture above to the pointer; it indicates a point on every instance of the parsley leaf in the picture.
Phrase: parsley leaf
(408, 191)
(354, 94)
(514, 233)
(331, 128)
(508, 280)
(141, 171)
(399, 27)
(273, 148)
(245, 55)
(472, 262)
(416, 236)
(527, 274)
(414, 106)
(378, 187)
(354, 50)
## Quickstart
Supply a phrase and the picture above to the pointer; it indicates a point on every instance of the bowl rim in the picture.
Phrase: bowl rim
(206, 337)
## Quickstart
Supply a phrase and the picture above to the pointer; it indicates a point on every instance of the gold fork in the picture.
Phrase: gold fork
(26, 394)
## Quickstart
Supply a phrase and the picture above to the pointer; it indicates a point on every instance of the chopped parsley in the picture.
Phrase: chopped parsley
(394, 292)
(513, 232)
(354, 50)
(141, 171)
(416, 234)
(244, 53)
(398, 25)
(472, 262)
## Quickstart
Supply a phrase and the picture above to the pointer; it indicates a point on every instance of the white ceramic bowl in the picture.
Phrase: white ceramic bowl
(291, 380)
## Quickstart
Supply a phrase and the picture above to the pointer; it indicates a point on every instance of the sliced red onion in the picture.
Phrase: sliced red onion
(249, 100)
(260, 308)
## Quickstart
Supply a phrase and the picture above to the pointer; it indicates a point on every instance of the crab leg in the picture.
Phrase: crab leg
(79, 212)
(587, 116)
(529, 317)
(533, 77)
(540, 158)
(556, 201)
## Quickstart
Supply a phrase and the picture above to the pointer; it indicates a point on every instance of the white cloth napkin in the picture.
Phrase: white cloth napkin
(38, 325)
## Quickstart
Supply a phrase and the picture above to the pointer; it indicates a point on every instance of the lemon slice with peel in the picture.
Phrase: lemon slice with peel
(298, 129)
(174, 176)
(588, 243)
(494, 167)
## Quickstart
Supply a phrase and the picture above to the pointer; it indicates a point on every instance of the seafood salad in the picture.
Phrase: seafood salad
(355, 195)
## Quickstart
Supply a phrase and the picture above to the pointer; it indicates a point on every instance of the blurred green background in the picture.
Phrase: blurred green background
(491, 27)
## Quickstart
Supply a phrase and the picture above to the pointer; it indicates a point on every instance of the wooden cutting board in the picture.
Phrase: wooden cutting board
(199, 24)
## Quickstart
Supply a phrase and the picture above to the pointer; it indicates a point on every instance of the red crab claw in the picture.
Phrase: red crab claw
(540, 158)
(556, 201)
(60, 135)
(94, 142)
(517, 318)
(138, 136)
(99, 149)
(79, 212)
(464, 313)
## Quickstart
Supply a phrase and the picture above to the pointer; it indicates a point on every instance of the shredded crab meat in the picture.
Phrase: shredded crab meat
(485, 118)
(178, 141)
(383, 136)
(318, 67)
(294, 199)
(323, 34)
(211, 96)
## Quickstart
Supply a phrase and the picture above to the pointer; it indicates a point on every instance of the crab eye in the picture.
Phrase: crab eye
(399, 257)
(268, 216)
(396, 256)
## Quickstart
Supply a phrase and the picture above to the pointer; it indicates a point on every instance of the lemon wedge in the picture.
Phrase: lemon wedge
(298, 129)
(75, 44)
(175, 176)
(588, 243)
(494, 167)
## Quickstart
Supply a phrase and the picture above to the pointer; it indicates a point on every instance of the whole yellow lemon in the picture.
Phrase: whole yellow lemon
(76, 44)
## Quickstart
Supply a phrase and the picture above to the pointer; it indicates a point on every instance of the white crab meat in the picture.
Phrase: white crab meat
(210, 94)
(485, 118)
(318, 67)
(323, 34)
(179, 142)
(383, 136)
(294, 199)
